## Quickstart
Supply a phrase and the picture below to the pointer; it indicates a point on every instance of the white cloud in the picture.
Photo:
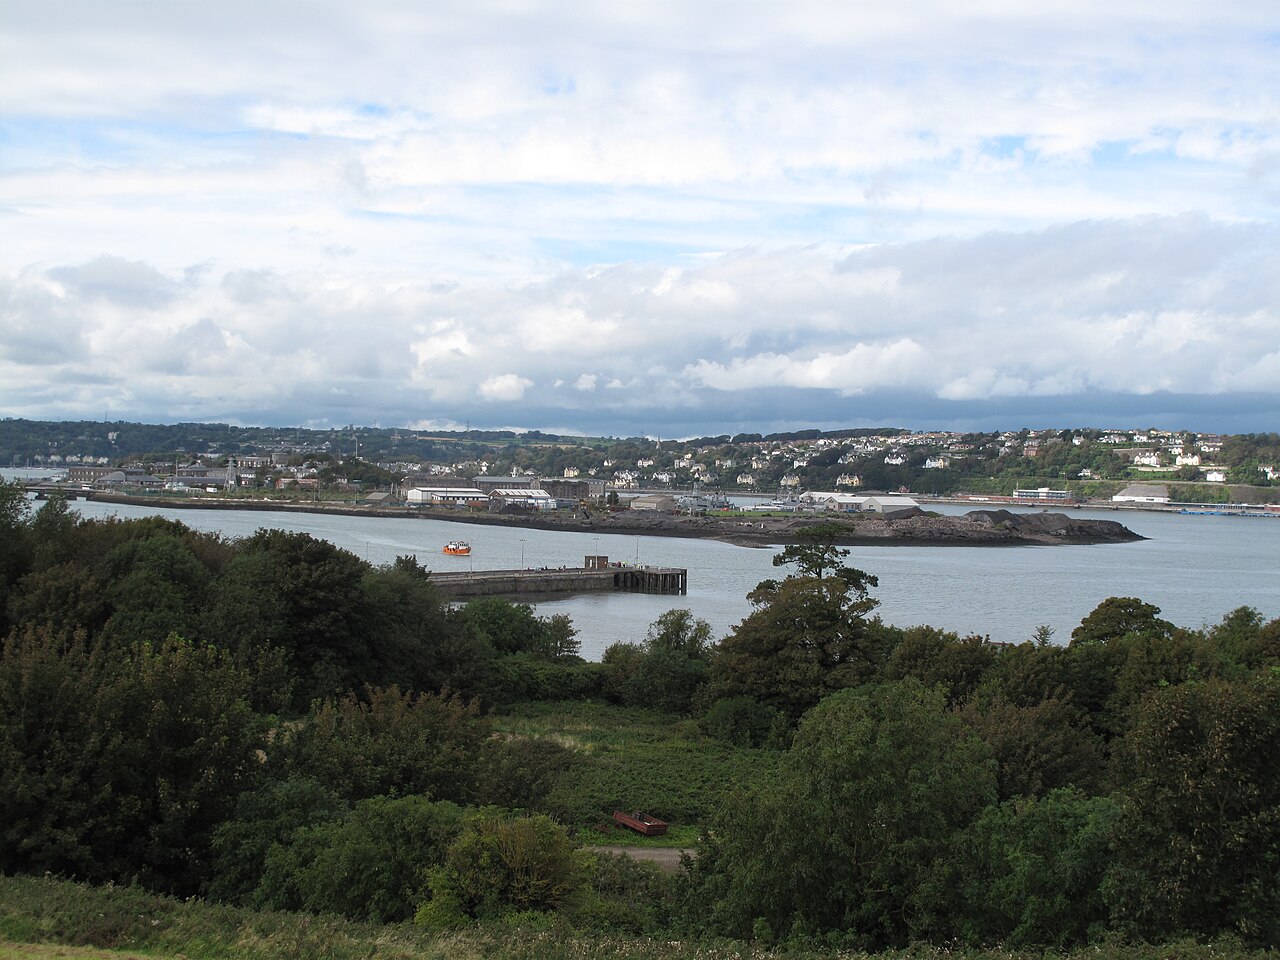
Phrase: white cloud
(505, 387)
(1184, 305)
(971, 203)
(854, 371)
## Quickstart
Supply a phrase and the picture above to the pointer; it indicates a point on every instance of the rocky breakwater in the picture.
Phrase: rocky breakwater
(997, 527)
(904, 528)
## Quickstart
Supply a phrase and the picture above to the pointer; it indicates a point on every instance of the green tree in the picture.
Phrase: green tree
(407, 626)
(816, 555)
(155, 587)
(64, 597)
(305, 596)
(264, 817)
(500, 865)
(1037, 747)
(847, 836)
(742, 721)
(15, 550)
(1199, 840)
(512, 628)
(1029, 874)
(52, 530)
(1116, 617)
(667, 670)
(943, 659)
(805, 638)
(119, 762)
(520, 773)
(373, 864)
(390, 743)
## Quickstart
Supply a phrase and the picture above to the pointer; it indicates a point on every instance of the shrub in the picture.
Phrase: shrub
(371, 865)
(499, 865)
(392, 743)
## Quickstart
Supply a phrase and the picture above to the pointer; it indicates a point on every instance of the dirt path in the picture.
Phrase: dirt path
(667, 858)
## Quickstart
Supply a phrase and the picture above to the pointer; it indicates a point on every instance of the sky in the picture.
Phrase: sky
(651, 219)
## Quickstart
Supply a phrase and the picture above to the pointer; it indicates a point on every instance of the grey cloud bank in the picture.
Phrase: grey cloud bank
(651, 219)
(1162, 321)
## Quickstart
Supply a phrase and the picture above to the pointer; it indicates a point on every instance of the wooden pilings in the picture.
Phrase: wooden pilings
(651, 580)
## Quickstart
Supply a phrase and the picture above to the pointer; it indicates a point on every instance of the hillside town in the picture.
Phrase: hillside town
(838, 470)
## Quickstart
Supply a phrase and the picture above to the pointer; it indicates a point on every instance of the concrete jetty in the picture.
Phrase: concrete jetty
(596, 575)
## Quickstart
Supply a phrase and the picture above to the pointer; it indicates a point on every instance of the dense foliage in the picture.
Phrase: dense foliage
(273, 723)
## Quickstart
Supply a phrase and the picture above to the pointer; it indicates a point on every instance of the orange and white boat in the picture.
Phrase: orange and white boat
(458, 548)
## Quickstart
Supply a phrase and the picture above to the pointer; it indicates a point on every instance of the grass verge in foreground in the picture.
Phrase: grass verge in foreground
(38, 916)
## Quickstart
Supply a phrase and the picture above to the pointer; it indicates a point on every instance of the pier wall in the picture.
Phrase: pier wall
(507, 583)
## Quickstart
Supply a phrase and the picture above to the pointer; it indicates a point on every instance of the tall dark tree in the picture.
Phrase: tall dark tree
(807, 636)
(304, 596)
(816, 555)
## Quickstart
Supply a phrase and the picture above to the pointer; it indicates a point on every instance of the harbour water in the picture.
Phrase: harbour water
(1195, 568)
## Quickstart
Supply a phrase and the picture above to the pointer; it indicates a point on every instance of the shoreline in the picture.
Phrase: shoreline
(991, 527)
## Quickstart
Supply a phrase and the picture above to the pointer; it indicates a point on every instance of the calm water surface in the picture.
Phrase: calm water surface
(1195, 568)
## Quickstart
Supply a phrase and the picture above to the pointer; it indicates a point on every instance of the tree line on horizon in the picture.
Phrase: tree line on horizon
(274, 722)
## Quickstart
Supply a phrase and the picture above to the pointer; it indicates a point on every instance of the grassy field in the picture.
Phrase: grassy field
(637, 760)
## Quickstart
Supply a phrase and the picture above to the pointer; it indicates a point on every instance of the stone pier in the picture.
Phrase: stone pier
(541, 582)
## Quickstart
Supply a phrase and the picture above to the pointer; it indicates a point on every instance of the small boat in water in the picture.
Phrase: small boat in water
(458, 548)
